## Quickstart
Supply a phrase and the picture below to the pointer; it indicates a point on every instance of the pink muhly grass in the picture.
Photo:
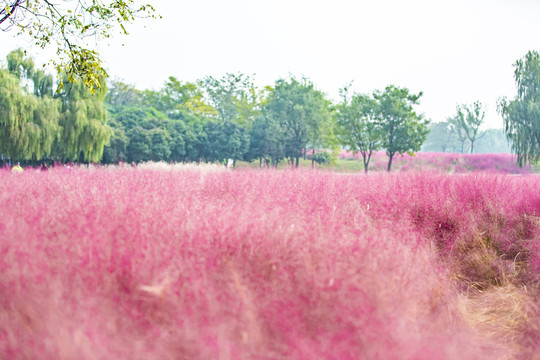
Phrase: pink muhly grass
(153, 264)
(446, 162)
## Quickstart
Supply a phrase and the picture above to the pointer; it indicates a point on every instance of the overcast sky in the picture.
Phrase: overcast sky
(453, 51)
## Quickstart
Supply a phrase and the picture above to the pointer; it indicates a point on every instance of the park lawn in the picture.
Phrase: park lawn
(346, 162)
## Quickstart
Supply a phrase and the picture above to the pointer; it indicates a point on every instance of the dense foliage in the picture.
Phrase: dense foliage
(205, 264)
(223, 120)
(37, 124)
(404, 131)
(522, 114)
(384, 120)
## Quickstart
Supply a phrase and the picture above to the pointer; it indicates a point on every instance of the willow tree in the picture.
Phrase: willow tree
(22, 66)
(37, 128)
(83, 120)
(70, 125)
(28, 124)
(522, 114)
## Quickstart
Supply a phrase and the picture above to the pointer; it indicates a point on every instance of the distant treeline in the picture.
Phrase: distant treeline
(210, 120)
(442, 138)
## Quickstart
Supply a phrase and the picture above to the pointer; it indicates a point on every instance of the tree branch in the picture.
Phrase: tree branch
(8, 11)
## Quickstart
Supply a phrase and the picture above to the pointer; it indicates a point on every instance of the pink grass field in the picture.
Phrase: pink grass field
(192, 264)
(447, 162)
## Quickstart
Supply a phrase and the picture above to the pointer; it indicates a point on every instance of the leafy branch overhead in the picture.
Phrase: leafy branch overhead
(68, 26)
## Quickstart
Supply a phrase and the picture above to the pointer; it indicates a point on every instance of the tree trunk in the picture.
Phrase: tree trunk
(297, 162)
(366, 162)
(390, 157)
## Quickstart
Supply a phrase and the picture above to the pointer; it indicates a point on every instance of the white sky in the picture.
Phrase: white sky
(453, 51)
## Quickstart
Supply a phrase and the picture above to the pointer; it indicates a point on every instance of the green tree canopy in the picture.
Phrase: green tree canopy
(28, 125)
(359, 125)
(404, 130)
(522, 114)
(34, 124)
(142, 126)
(116, 151)
(234, 97)
(143, 133)
(267, 141)
(179, 100)
(121, 95)
(29, 116)
(32, 79)
(302, 111)
(84, 122)
(225, 140)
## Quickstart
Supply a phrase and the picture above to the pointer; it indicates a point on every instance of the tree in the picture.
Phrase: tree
(29, 116)
(29, 125)
(234, 97)
(146, 132)
(404, 130)
(161, 144)
(302, 112)
(522, 114)
(72, 125)
(84, 122)
(121, 95)
(66, 24)
(457, 130)
(116, 151)
(360, 127)
(467, 122)
(140, 144)
(267, 141)
(225, 140)
(32, 79)
(441, 138)
(321, 157)
(178, 99)
(151, 135)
